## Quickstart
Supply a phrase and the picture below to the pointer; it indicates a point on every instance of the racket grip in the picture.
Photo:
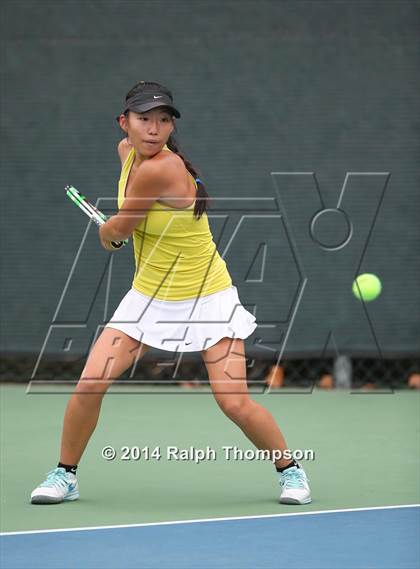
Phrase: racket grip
(119, 244)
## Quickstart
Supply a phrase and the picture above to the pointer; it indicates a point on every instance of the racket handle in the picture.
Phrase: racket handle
(119, 244)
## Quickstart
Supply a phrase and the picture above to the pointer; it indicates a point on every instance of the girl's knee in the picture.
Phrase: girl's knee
(234, 407)
(92, 387)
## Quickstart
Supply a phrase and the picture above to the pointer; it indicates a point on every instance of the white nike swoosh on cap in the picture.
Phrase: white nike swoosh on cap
(157, 96)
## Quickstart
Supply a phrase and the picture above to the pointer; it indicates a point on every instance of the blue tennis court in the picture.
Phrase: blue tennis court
(377, 538)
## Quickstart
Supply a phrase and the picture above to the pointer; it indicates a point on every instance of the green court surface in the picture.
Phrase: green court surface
(365, 445)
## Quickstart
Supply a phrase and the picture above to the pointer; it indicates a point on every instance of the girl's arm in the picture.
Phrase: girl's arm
(149, 183)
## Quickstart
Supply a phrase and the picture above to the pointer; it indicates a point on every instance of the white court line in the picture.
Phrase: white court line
(200, 521)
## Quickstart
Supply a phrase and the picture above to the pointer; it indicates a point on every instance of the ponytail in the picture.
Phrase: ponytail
(202, 200)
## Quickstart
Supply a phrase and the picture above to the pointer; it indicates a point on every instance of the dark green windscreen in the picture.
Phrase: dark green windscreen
(283, 102)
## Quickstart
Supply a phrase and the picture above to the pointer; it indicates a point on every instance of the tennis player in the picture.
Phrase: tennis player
(182, 298)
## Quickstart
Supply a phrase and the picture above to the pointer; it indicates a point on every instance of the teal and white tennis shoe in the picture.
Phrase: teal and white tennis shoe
(295, 487)
(59, 486)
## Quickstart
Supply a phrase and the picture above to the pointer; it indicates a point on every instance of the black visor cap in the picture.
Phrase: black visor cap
(146, 96)
(138, 107)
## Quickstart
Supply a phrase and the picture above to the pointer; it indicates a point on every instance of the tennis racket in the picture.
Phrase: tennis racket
(91, 211)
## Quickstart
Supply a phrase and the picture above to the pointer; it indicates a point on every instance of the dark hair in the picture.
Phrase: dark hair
(201, 203)
(203, 199)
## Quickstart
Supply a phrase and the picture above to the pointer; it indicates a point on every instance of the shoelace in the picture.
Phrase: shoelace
(293, 478)
(56, 477)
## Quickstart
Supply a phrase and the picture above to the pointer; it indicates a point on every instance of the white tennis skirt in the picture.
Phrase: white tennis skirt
(183, 325)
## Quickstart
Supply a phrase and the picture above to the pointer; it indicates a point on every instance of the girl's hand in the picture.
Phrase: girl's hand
(104, 242)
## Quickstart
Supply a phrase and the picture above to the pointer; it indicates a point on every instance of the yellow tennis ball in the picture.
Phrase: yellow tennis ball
(367, 287)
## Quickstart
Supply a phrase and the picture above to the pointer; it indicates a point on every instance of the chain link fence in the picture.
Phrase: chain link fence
(291, 373)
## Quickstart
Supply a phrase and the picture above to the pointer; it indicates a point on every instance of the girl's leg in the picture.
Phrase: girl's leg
(226, 368)
(112, 354)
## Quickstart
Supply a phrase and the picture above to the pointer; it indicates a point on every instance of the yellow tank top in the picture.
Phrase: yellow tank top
(175, 255)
